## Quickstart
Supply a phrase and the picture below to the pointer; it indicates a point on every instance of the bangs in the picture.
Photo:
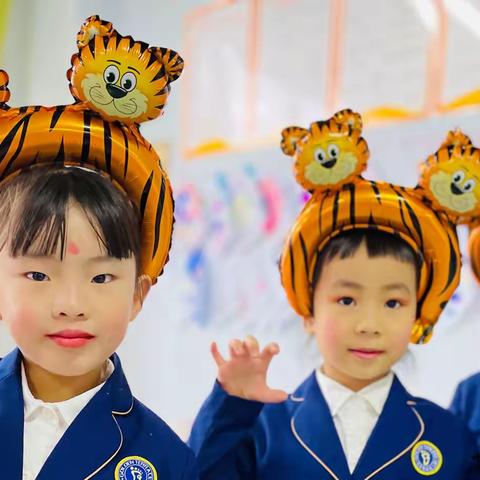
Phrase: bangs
(37, 202)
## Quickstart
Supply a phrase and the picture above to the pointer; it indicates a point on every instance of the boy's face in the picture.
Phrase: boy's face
(69, 316)
(364, 310)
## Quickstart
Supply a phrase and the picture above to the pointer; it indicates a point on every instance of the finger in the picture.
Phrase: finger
(236, 348)
(217, 356)
(251, 344)
(270, 351)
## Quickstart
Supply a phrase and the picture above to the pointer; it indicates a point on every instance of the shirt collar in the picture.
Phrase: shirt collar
(68, 409)
(336, 394)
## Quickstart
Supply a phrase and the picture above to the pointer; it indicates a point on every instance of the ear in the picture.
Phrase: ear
(144, 283)
(309, 324)
(91, 27)
(171, 60)
(350, 118)
(290, 137)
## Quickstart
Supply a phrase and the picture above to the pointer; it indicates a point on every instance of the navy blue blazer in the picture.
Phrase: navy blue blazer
(296, 439)
(113, 437)
(466, 404)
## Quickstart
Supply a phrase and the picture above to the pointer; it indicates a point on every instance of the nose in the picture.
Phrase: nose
(115, 92)
(369, 322)
(69, 303)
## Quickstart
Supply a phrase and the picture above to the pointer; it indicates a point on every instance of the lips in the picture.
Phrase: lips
(71, 338)
(366, 353)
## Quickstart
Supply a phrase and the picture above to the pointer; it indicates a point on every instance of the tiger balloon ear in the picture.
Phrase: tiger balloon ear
(290, 138)
(93, 26)
(350, 118)
(456, 138)
(172, 62)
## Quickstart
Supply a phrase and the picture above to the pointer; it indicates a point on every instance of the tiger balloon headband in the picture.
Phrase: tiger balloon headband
(117, 83)
(330, 157)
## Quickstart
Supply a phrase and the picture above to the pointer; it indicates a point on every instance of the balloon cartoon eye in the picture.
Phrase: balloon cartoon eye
(128, 81)
(111, 74)
(458, 176)
(469, 185)
(333, 151)
(320, 155)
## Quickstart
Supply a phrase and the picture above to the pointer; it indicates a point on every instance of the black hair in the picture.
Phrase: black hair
(378, 244)
(34, 203)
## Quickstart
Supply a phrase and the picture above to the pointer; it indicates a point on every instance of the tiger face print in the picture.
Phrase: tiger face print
(330, 154)
(118, 77)
(451, 178)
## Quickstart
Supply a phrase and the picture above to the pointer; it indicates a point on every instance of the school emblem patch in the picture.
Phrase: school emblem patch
(427, 459)
(135, 468)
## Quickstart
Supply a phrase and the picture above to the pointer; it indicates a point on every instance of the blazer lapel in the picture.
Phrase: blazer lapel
(398, 428)
(11, 416)
(313, 427)
(95, 437)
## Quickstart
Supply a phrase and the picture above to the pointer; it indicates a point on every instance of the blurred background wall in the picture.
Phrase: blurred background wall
(253, 67)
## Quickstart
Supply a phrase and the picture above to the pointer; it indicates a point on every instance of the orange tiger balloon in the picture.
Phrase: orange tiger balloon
(330, 154)
(85, 133)
(450, 178)
(474, 249)
(356, 203)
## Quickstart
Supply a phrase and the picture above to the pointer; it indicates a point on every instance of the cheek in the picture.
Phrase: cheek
(22, 322)
(329, 332)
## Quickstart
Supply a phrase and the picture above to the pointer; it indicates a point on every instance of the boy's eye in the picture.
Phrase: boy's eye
(346, 301)
(103, 278)
(393, 303)
(37, 276)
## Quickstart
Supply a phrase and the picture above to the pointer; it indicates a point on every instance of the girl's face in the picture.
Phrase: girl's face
(68, 316)
(364, 310)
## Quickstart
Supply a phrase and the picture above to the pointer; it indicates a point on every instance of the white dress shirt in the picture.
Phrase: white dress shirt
(45, 423)
(354, 413)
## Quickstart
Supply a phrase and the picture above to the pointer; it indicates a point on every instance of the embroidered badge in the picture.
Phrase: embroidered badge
(427, 459)
(135, 468)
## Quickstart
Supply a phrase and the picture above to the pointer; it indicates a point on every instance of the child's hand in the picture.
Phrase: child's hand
(244, 375)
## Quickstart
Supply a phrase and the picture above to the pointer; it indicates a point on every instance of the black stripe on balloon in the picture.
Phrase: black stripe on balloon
(20, 145)
(60, 157)
(415, 222)
(87, 117)
(376, 191)
(22, 110)
(351, 188)
(144, 197)
(34, 161)
(320, 213)
(430, 275)
(8, 139)
(107, 142)
(125, 162)
(158, 219)
(56, 115)
(452, 264)
(304, 253)
(335, 211)
(292, 265)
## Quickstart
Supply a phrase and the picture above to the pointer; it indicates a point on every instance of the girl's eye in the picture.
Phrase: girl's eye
(37, 276)
(346, 301)
(393, 304)
(103, 278)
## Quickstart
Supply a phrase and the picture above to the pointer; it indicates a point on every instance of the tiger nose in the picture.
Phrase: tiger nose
(455, 190)
(115, 92)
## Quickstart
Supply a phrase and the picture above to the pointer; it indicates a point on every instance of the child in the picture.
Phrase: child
(466, 400)
(369, 266)
(87, 221)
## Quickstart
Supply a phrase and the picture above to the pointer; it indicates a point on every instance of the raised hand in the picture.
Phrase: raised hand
(244, 375)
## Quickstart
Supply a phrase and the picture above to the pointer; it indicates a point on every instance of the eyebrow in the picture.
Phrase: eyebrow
(114, 61)
(131, 68)
(357, 286)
